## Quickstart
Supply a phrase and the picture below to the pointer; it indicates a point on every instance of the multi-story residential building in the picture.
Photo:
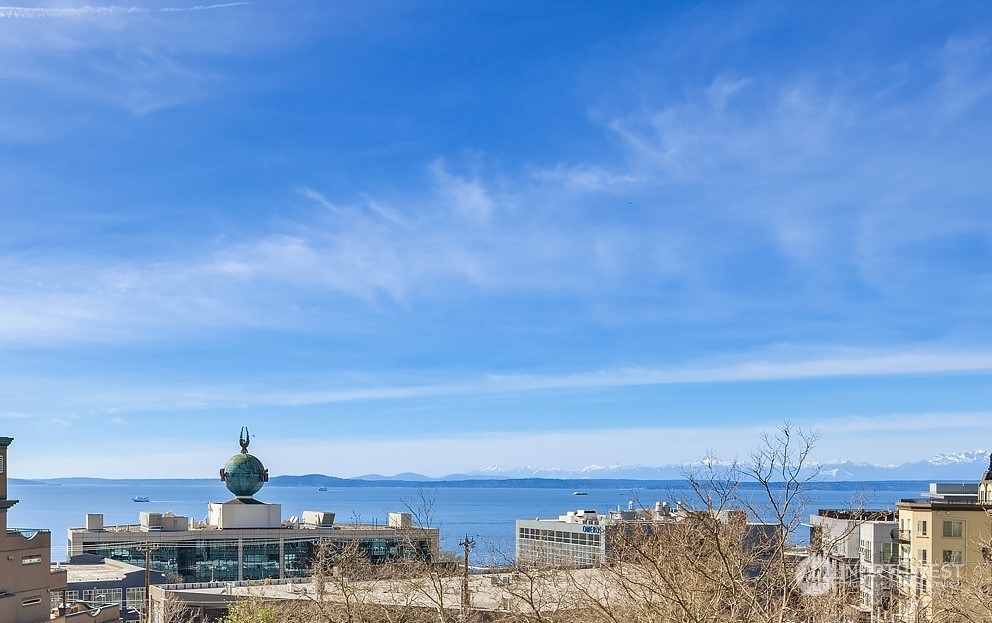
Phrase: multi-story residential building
(878, 552)
(26, 579)
(246, 539)
(858, 545)
(942, 537)
(985, 486)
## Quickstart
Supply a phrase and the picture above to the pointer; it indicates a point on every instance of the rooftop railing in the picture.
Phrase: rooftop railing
(27, 533)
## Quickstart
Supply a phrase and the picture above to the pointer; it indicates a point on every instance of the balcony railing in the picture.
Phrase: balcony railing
(901, 535)
(27, 533)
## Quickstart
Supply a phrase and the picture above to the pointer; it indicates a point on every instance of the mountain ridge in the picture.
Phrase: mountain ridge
(965, 465)
(962, 466)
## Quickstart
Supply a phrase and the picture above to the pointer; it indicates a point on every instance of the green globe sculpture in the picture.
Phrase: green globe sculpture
(243, 473)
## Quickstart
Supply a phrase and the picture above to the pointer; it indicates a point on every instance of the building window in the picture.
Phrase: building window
(31, 601)
(103, 595)
(922, 555)
(921, 528)
(953, 528)
(953, 556)
(33, 559)
(889, 553)
(136, 598)
(865, 550)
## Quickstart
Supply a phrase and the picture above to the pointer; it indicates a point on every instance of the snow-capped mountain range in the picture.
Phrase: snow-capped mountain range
(960, 466)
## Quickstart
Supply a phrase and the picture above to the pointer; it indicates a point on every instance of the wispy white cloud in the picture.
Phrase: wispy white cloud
(765, 168)
(202, 7)
(108, 395)
(861, 365)
(12, 12)
(906, 422)
(707, 213)
(723, 88)
(742, 167)
(587, 178)
(15, 12)
(463, 196)
(111, 57)
(965, 73)
(439, 454)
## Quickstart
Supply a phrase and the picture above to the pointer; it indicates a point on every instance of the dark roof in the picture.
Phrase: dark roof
(857, 514)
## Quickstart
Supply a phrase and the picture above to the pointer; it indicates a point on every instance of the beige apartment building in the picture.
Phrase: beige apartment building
(26, 578)
(942, 541)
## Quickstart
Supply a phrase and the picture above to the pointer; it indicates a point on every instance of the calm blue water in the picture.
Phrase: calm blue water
(486, 514)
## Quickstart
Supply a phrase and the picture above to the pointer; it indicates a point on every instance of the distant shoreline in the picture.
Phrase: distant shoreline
(317, 480)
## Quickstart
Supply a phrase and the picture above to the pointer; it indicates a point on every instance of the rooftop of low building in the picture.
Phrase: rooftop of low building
(93, 568)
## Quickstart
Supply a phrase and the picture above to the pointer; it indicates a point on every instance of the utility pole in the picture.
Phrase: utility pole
(148, 548)
(468, 544)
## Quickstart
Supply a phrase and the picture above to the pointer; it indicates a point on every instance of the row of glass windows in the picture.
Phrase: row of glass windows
(889, 554)
(949, 528)
(217, 561)
(954, 556)
(537, 552)
(135, 597)
(559, 536)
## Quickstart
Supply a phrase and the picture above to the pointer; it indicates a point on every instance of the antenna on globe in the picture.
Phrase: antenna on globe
(244, 438)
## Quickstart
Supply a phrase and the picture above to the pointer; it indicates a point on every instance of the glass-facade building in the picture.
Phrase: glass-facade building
(244, 538)
(214, 555)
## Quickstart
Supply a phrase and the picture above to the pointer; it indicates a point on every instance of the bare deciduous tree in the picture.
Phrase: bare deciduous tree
(703, 563)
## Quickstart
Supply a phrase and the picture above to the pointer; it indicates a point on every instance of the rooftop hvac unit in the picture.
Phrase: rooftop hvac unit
(318, 519)
(174, 523)
(151, 522)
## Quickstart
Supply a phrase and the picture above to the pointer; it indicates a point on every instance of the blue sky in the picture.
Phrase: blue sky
(433, 237)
